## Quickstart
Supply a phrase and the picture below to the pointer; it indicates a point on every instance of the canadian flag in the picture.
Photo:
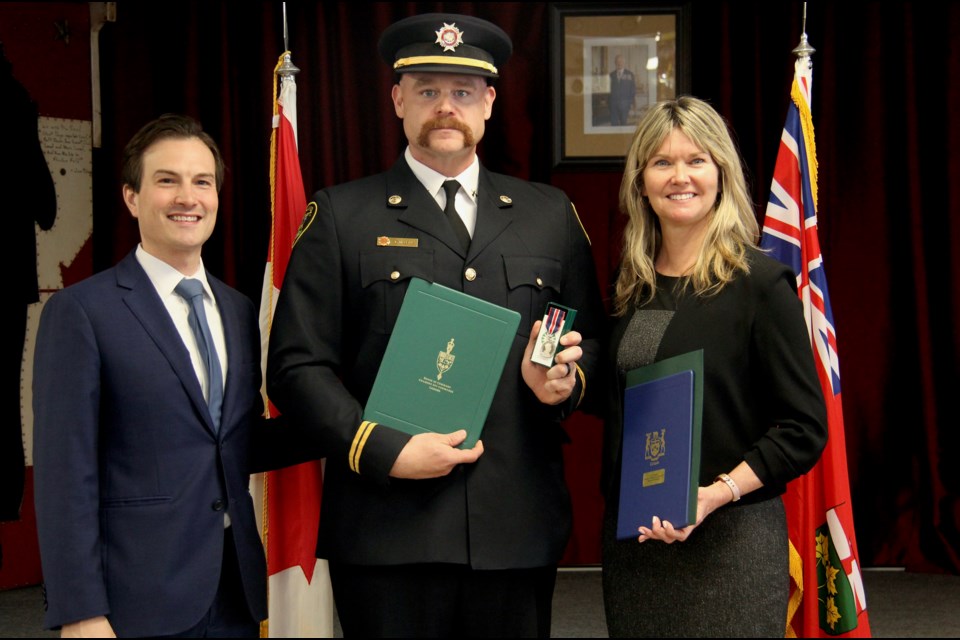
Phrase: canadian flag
(288, 500)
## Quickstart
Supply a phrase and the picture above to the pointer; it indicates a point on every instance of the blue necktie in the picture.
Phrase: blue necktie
(191, 290)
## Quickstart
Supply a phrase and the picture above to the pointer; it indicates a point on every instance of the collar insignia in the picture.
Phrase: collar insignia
(449, 37)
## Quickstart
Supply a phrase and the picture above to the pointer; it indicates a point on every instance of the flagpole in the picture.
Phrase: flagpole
(300, 597)
(287, 68)
(804, 50)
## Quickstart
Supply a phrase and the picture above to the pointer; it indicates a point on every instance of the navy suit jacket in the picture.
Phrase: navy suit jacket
(131, 479)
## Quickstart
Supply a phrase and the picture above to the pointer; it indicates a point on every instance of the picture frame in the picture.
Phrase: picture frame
(608, 63)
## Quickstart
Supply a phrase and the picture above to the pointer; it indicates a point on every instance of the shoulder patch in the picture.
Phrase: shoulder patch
(308, 218)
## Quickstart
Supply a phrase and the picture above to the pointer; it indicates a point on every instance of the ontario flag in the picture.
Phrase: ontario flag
(827, 597)
(300, 599)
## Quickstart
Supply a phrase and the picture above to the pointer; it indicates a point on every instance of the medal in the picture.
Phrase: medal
(555, 317)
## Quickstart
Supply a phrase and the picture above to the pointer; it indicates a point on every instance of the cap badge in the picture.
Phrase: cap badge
(449, 37)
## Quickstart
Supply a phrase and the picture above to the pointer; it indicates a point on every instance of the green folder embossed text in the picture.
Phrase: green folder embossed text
(443, 363)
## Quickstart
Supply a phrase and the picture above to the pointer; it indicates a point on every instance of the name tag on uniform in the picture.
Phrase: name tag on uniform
(386, 241)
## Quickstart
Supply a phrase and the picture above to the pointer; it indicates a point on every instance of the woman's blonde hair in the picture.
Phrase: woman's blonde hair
(733, 223)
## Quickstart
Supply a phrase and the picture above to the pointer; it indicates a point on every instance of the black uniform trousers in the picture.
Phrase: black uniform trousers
(442, 600)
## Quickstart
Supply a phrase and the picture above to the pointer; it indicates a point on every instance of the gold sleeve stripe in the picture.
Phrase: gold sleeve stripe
(582, 228)
(463, 62)
(359, 440)
(583, 383)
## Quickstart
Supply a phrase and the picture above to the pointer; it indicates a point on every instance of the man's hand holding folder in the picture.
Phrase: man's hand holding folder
(432, 455)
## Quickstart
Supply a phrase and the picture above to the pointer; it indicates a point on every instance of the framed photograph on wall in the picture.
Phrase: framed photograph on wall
(609, 62)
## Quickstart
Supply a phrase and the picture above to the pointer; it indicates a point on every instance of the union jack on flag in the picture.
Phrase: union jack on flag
(827, 597)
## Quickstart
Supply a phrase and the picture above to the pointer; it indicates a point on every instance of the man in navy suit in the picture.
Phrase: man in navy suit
(424, 538)
(623, 90)
(145, 520)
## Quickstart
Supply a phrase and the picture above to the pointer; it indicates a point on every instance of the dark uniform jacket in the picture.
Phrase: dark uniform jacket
(340, 299)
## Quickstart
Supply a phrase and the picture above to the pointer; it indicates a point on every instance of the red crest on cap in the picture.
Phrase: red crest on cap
(449, 37)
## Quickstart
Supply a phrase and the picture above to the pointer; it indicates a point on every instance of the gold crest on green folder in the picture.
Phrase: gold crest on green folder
(443, 362)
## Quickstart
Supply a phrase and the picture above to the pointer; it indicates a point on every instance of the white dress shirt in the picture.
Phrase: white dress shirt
(165, 279)
(466, 196)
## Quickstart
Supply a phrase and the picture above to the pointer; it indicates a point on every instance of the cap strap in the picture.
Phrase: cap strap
(464, 62)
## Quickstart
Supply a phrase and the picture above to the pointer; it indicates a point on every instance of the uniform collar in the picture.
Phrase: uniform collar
(433, 181)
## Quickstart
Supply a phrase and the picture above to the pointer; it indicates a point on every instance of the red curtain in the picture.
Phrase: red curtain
(886, 82)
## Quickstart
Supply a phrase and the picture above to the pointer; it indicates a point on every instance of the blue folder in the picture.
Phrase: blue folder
(660, 469)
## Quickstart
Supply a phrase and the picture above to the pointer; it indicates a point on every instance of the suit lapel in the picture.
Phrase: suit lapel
(493, 213)
(417, 208)
(232, 337)
(142, 300)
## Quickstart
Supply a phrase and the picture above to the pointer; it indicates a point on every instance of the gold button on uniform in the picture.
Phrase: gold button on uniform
(470, 274)
(539, 282)
(394, 199)
(395, 275)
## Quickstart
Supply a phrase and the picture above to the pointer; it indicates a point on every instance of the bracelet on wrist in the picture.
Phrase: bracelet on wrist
(727, 480)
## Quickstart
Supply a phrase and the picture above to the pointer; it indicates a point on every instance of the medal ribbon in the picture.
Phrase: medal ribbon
(555, 319)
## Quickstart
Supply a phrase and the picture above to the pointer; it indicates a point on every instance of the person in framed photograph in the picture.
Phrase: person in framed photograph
(623, 91)
(692, 277)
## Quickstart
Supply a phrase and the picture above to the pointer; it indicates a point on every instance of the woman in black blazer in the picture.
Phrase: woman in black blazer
(692, 278)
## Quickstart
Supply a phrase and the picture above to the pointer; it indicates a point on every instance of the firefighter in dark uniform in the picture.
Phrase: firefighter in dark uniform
(424, 538)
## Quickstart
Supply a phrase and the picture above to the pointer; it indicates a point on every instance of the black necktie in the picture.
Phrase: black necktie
(191, 290)
(451, 187)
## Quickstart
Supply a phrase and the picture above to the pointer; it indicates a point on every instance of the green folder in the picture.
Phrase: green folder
(443, 362)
